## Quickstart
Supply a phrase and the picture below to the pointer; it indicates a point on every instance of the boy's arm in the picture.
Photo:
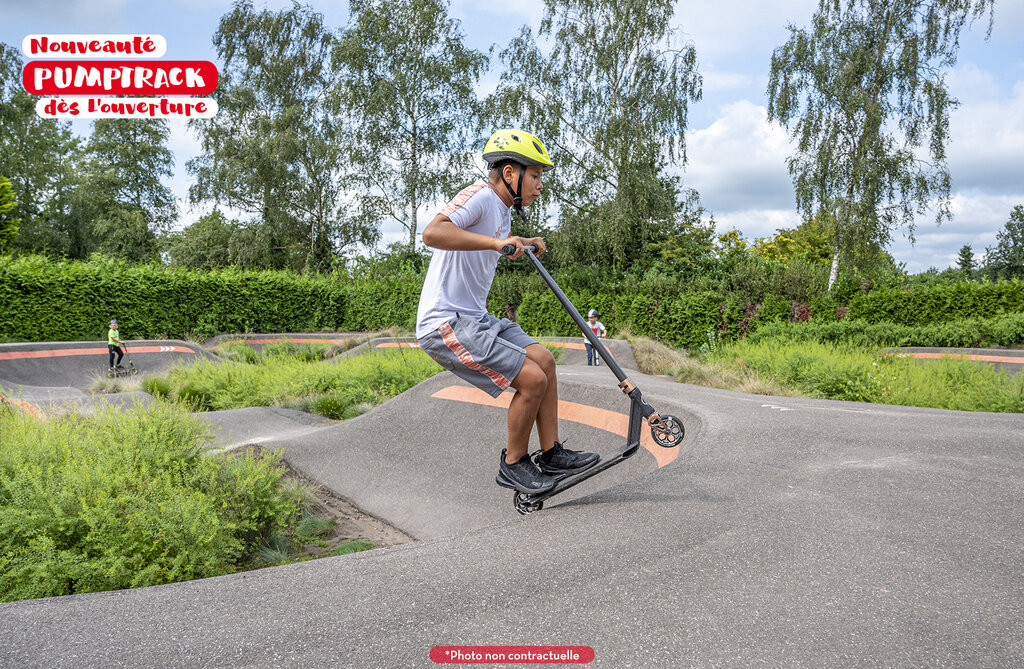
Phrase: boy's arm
(441, 233)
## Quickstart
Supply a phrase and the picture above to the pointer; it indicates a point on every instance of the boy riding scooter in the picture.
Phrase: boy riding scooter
(455, 329)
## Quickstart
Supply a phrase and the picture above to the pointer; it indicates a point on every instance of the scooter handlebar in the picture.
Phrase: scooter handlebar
(509, 249)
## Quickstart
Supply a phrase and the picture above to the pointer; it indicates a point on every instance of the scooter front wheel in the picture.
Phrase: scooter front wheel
(669, 432)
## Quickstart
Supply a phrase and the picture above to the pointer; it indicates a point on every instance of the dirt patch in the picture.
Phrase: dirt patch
(350, 522)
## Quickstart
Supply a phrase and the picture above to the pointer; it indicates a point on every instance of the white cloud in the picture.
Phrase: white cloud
(738, 163)
(977, 217)
(725, 29)
(755, 223)
(987, 136)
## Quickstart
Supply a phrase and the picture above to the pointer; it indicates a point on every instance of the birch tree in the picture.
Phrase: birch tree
(863, 93)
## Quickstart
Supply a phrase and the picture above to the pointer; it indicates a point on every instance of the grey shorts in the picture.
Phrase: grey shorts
(488, 353)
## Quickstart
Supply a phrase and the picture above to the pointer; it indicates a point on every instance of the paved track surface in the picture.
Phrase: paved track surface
(786, 532)
(78, 364)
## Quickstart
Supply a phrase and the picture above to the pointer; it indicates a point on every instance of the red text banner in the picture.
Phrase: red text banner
(94, 46)
(123, 77)
(512, 654)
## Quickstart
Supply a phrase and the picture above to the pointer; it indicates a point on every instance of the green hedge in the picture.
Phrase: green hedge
(1006, 330)
(45, 300)
(941, 303)
(683, 321)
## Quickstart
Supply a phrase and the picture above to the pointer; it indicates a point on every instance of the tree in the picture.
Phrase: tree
(409, 85)
(807, 242)
(863, 94)
(276, 148)
(206, 244)
(1006, 259)
(129, 158)
(8, 224)
(610, 99)
(966, 259)
(42, 159)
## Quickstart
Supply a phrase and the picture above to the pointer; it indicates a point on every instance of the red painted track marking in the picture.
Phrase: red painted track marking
(566, 344)
(30, 409)
(602, 419)
(965, 356)
(286, 340)
(398, 344)
(575, 345)
(61, 352)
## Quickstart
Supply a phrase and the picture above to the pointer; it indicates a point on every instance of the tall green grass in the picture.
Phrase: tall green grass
(239, 351)
(848, 372)
(339, 389)
(127, 499)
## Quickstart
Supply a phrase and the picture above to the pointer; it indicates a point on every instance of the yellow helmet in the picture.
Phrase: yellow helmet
(518, 146)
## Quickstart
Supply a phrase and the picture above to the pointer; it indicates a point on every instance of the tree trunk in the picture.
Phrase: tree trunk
(834, 274)
(414, 182)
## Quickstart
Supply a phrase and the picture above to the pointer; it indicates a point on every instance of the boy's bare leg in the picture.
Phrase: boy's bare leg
(547, 414)
(535, 402)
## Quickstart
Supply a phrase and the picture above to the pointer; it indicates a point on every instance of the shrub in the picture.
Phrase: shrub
(126, 499)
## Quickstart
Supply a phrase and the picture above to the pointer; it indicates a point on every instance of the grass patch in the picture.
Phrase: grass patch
(653, 357)
(787, 366)
(341, 388)
(241, 351)
(352, 546)
(118, 384)
(864, 374)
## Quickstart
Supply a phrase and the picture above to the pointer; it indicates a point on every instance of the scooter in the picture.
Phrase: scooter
(121, 370)
(667, 431)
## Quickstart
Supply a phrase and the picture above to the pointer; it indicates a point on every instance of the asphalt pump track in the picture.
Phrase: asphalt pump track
(784, 532)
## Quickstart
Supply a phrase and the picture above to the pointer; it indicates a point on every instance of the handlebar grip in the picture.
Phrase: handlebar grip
(509, 249)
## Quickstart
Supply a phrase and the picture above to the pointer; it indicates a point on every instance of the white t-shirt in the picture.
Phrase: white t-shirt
(458, 281)
(596, 328)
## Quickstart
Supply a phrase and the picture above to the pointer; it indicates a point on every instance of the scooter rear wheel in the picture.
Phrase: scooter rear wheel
(671, 434)
(524, 507)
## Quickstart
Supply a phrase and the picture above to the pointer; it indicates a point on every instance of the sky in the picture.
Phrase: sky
(736, 158)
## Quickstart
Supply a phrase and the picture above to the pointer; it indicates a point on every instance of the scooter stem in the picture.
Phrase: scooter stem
(531, 249)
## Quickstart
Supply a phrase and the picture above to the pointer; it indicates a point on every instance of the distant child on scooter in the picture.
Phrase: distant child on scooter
(453, 325)
(112, 345)
(598, 329)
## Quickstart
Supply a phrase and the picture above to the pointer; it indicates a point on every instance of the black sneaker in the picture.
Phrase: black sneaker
(523, 476)
(560, 460)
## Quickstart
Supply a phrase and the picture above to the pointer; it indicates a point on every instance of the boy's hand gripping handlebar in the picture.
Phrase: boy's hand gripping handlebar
(509, 249)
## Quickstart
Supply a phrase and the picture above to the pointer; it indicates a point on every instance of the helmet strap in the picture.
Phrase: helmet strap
(517, 194)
